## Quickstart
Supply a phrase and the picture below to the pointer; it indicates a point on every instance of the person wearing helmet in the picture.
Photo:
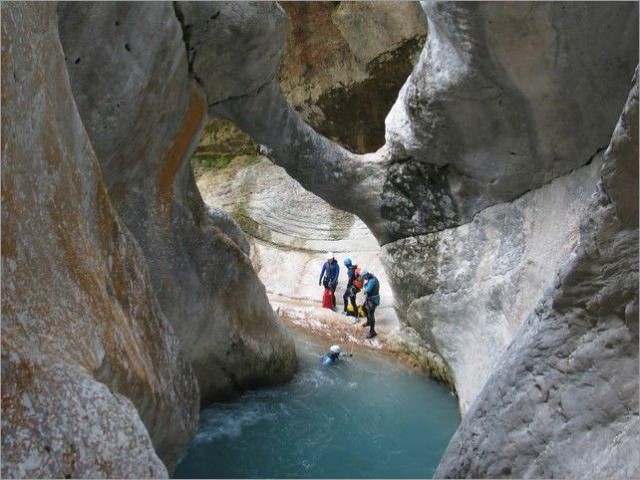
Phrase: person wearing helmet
(329, 275)
(372, 291)
(351, 290)
(332, 356)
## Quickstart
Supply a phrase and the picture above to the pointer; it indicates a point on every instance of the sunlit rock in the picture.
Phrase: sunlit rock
(291, 231)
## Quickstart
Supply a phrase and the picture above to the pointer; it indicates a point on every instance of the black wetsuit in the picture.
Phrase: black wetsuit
(372, 289)
(350, 292)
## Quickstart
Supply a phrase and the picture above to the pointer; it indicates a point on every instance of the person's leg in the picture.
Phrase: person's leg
(366, 312)
(353, 304)
(371, 319)
(345, 297)
(333, 293)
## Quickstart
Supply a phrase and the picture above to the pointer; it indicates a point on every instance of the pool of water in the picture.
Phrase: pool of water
(363, 417)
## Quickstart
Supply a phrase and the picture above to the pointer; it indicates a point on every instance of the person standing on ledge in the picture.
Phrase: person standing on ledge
(372, 291)
(352, 288)
(329, 275)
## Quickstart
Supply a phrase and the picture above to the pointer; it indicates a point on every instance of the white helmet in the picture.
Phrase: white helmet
(330, 256)
(335, 349)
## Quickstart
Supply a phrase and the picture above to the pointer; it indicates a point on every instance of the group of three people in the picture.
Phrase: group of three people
(357, 280)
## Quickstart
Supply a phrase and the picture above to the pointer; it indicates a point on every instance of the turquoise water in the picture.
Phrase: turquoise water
(364, 417)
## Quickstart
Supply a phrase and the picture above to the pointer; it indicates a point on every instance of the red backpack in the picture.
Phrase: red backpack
(327, 298)
(357, 282)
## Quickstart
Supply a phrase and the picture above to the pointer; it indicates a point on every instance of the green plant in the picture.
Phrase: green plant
(208, 162)
(221, 162)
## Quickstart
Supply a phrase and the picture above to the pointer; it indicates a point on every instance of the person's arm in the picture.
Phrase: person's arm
(324, 266)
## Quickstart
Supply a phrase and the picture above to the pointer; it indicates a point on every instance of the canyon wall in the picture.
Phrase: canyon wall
(563, 400)
(94, 383)
(510, 237)
(290, 231)
(144, 127)
(493, 152)
(344, 63)
(126, 301)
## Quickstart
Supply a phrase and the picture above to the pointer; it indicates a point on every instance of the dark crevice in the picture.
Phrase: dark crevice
(245, 95)
(186, 39)
(587, 163)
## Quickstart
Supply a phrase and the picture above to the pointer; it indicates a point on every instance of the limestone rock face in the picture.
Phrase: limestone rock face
(563, 400)
(479, 196)
(482, 279)
(291, 230)
(345, 62)
(504, 98)
(495, 136)
(93, 380)
(121, 291)
(198, 259)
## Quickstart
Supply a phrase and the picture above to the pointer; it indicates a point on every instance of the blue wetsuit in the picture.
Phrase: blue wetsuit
(372, 289)
(330, 272)
(330, 358)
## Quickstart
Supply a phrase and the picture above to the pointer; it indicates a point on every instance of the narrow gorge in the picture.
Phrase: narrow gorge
(174, 174)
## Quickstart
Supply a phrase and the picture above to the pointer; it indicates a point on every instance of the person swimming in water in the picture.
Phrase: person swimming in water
(333, 355)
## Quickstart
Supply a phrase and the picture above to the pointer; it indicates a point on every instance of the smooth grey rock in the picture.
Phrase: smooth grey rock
(483, 137)
(257, 29)
(198, 259)
(93, 379)
(478, 282)
(453, 150)
(505, 97)
(321, 166)
(563, 400)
